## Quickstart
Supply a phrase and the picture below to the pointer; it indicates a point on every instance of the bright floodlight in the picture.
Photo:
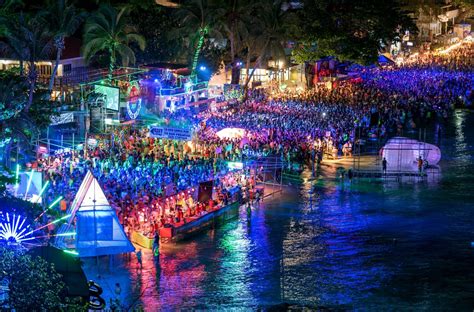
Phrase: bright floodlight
(202, 68)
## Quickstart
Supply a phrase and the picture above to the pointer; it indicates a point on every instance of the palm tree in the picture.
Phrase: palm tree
(107, 31)
(11, 43)
(30, 42)
(270, 36)
(234, 18)
(197, 19)
(63, 19)
(6, 10)
(15, 124)
(39, 46)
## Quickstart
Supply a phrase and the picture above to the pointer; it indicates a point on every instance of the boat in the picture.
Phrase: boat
(194, 225)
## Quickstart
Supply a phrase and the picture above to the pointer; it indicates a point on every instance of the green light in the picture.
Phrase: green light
(17, 173)
(43, 189)
(71, 252)
(55, 202)
(65, 217)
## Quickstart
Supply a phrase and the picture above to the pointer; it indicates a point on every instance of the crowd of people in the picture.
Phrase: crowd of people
(382, 101)
(152, 182)
(144, 179)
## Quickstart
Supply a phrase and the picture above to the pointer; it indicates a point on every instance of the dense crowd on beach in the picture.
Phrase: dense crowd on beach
(139, 174)
(382, 101)
(143, 178)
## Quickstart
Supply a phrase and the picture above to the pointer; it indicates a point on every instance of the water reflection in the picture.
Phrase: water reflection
(363, 245)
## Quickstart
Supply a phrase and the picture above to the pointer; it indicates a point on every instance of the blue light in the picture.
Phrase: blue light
(202, 68)
(156, 80)
(12, 229)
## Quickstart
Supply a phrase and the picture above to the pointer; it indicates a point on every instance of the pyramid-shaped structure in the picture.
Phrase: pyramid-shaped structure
(94, 223)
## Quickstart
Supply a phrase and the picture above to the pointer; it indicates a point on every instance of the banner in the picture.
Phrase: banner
(170, 133)
(62, 119)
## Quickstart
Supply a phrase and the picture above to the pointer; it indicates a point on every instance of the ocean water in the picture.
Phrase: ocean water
(365, 246)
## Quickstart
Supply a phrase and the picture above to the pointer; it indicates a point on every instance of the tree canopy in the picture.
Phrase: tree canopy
(33, 283)
(352, 30)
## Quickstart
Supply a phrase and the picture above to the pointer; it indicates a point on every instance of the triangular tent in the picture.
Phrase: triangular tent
(94, 224)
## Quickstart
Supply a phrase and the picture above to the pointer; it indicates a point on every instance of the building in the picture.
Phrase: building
(433, 17)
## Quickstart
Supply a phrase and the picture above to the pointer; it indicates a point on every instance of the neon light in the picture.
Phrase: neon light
(75, 253)
(29, 184)
(134, 114)
(62, 234)
(42, 190)
(50, 206)
(55, 202)
(66, 234)
(202, 33)
(50, 223)
(17, 172)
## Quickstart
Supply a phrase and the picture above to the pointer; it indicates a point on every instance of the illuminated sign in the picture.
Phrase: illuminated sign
(234, 165)
(111, 96)
(134, 103)
(170, 133)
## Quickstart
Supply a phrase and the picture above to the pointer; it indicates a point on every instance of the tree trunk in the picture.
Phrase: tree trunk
(32, 78)
(257, 64)
(21, 67)
(53, 74)
(111, 64)
(235, 70)
(247, 65)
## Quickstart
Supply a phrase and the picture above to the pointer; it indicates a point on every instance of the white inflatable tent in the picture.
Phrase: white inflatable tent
(402, 153)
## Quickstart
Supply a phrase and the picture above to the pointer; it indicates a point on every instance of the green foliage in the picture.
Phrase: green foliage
(107, 31)
(43, 109)
(196, 21)
(6, 177)
(305, 52)
(34, 284)
(352, 30)
(19, 206)
(17, 124)
(62, 19)
(13, 94)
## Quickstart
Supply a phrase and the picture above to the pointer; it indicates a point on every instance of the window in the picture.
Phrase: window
(44, 70)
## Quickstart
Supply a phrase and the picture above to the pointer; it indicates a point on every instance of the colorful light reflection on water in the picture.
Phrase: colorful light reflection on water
(365, 246)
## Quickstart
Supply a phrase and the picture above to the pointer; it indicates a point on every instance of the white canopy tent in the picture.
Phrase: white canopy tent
(403, 153)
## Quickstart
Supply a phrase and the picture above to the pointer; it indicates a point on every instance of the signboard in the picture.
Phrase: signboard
(170, 133)
(62, 119)
(111, 96)
(235, 165)
(134, 103)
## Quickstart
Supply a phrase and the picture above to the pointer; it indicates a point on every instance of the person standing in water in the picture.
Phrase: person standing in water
(139, 259)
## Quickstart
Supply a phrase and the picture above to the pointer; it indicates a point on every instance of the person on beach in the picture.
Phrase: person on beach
(139, 259)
